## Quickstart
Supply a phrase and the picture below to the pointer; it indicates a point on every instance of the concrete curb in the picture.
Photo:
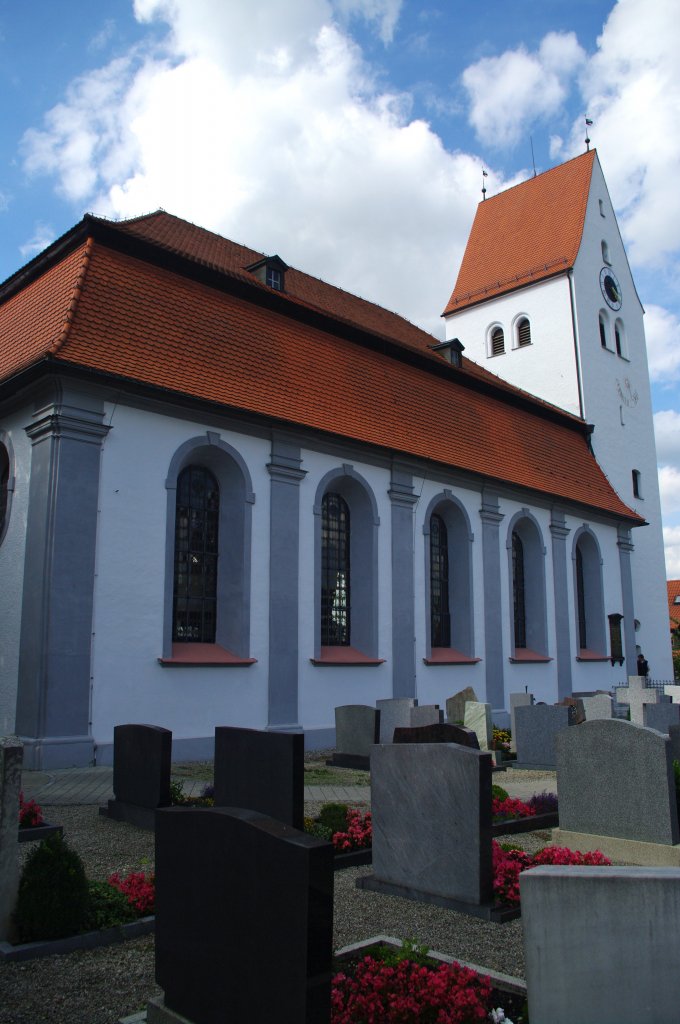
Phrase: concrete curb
(88, 940)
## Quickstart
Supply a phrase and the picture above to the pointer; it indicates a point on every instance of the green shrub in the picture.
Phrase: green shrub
(676, 664)
(409, 950)
(53, 899)
(498, 791)
(108, 906)
(334, 817)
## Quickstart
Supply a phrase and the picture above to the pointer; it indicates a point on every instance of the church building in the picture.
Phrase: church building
(232, 494)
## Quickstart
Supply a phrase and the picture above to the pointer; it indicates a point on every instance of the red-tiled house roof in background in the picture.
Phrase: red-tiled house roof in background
(108, 311)
(529, 232)
(674, 609)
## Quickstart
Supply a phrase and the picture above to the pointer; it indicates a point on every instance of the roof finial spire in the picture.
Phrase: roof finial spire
(587, 140)
(484, 175)
(533, 159)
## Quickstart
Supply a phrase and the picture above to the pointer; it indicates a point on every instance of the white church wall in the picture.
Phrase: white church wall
(12, 550)
(545, 367)
(129, 588)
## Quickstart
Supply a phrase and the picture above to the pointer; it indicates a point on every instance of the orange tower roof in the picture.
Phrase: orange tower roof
(529, 232)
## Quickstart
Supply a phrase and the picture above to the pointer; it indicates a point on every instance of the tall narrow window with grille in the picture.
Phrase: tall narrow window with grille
(523, 332)
(581, 601)
(196, 547)
(440, 613)
(615, 639)
(4, 487)
(335, 571)
(518, 592)
(497, 342)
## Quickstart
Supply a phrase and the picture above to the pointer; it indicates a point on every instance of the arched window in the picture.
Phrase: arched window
(581, 601)
(497, 342)
(620, 339)
(604, 329)
(605, 253)
(523, 332)
(637, 483)
(588, 588)
(440, 613)
(4, 488)
(518, 593)
(194, 615)
(335, 571)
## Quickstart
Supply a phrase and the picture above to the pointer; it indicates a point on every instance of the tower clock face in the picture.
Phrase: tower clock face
(611, 289)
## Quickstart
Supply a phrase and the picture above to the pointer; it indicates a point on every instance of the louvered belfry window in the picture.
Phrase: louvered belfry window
(196, 542)
(523, 332)
(497, 342)
(335, 571)
(518, 594)
(440, 614)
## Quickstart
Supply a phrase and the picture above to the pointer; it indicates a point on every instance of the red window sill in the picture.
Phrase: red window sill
(586, 655)
(344, 656)
(204, 654)
(449, 656)
(525, 655)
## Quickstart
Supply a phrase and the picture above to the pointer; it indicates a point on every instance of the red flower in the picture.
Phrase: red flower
(30, 814)
(139, 889)
(359, 834)
(508, 865)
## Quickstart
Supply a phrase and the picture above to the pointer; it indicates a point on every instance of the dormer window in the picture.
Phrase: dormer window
(451, 350)
(270, 271)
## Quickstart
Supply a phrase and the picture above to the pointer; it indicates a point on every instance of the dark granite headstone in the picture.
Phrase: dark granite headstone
(577, 704)
(444, 732)
(261, 770)
(142, 756)
(244, 919)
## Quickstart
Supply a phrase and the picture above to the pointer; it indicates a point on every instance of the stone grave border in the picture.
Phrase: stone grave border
(71, 943)
(33, 833)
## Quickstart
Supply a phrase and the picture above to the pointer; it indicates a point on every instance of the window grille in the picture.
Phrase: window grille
(581, 601)
(335, 571)
(440, 614)
(615, 640)
(196, 547)
(523, 332)
(518, 593)
(497, 342)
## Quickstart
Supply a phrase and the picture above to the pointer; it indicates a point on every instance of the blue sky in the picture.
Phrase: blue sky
(349, 136)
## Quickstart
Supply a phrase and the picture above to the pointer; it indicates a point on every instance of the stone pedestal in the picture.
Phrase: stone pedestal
(11, 755)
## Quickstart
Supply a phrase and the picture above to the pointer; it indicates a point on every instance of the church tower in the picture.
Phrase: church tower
(546, 300)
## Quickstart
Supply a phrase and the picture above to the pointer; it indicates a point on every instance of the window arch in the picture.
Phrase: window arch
(209, 514)
(448, 577)
(603, 321)
(526, 564)
(496, 341)
(589, 593)
(523, 331)
(6, 482)
(346, 577)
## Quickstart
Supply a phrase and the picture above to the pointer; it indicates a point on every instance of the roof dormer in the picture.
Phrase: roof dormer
(270, 271)
(451, 350)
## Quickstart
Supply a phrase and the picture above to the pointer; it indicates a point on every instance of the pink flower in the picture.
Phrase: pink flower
(30, 814)
(139, 889)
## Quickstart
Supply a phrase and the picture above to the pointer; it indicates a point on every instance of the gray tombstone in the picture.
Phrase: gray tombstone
(616, 779)
(661, 716)
(636, 695)
(536, 729)
(455, 706)
(517, 700)
(432, 842)
(426, 714)
(440, 732)
(674, 737)
(142, 756)
(478, 718)
(598, 707)
(357, 728)
(577, 704)
(11, 757)
(238, 893)
(394, 712)
(261, 770)
(600, 944)
(672, 690)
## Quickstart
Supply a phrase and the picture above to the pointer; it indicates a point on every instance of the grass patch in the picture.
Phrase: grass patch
(317, 773)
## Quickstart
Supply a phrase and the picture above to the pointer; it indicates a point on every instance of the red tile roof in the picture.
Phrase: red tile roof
(527, 233)
(114, 313)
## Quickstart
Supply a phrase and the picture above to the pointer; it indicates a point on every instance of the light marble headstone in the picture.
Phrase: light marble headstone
(394, 712)
(478, 718)
(636, 695)
(432, 839)
(598, 707)
(11, 756)
(517, 700)
(672, 690)
(356, 729)
(661, 716)
(455, 706)
(426, 714)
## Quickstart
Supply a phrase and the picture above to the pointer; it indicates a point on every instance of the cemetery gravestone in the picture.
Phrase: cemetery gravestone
(672, 690)
(478, 718)
(517, 700)
(536, 728)
(142, 756)
(661, 716)
(261, 770)
(441, 732)
(426, 714)
(616, 792)
(244, 919)
(625, 972)
(636, 695)
(394, 712)
(455, 706)
(598, 707)
(674, 738)
(11, 757)
(357, 728)
(432, 843)
(577, 704)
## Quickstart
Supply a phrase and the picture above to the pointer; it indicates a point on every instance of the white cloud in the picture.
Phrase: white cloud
(667, 434)
(384, 13)
(510, 91)
(669, 488)
(43, 235)
(671, 536)
(662, 330)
